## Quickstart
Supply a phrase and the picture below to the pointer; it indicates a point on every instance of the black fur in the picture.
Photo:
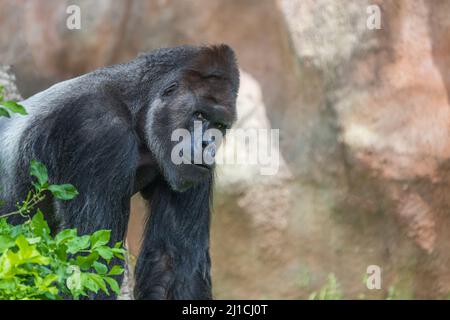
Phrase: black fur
(108, 133)
(178, 259)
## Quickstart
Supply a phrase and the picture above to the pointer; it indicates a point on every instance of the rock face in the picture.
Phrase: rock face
(263, 192)
(364, 121)
(8, 82)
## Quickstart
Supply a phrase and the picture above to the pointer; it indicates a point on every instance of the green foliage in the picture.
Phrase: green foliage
(36, 265)
(9, 106)
(330, 291)
(304, 277)
(392, 293)
(41, 185)
(62, 191)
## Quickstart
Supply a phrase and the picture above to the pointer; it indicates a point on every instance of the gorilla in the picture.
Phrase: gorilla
(108, 133)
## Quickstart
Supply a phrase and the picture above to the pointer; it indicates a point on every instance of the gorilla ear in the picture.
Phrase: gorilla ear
(216, 61)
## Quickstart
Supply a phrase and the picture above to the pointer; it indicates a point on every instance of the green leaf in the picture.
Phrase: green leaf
(113, 284)
(105, 252)
(77, 244)
(119, 256)
(27, 253)
(4, 113)
(99, 281)
(34, 240)
(25, 249)
(65, 236)
(63, 191)
(8, 284)
(86, 262)
(118, 250)
(119, 253)
(116, 270)
(88, 282)
(6, 242)
(39, 225)
(73, 282)
(14, 107)
(45, 284)
(61, 252)
(100, 238)
(39, 171)
(100, 267)
(5, 227)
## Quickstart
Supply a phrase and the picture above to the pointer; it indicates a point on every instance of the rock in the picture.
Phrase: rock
(262, 191)
(326, 33)
(389, 94)
(8, 82)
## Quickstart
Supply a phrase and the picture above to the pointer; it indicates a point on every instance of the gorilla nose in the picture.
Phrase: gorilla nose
(211, 151)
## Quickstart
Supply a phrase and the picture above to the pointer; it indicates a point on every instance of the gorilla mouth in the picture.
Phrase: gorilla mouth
(202, 166)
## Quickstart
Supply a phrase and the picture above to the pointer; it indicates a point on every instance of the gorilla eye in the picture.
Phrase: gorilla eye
(170, 89)
(214, 76)
(212, 99)
(199, 116)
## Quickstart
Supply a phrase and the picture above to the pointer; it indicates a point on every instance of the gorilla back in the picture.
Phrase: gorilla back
(108, 133)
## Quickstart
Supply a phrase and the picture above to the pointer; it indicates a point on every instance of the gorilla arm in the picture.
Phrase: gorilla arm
(174, 262)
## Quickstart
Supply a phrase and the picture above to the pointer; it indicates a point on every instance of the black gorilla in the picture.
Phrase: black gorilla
(108, 133)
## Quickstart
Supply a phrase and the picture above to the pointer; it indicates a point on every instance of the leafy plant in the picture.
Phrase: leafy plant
(36, 265)
(392, 293)
(330, 291)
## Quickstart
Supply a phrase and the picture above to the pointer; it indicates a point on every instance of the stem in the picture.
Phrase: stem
(27, 205)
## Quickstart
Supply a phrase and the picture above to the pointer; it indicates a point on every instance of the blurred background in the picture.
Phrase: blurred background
(364, 122)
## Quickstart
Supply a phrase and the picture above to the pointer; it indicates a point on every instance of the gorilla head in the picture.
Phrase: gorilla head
(200, 94)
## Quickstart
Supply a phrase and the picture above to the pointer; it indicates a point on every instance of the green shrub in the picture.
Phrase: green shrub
(330, 291)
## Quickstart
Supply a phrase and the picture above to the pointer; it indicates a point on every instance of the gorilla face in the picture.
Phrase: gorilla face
(199, 99)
